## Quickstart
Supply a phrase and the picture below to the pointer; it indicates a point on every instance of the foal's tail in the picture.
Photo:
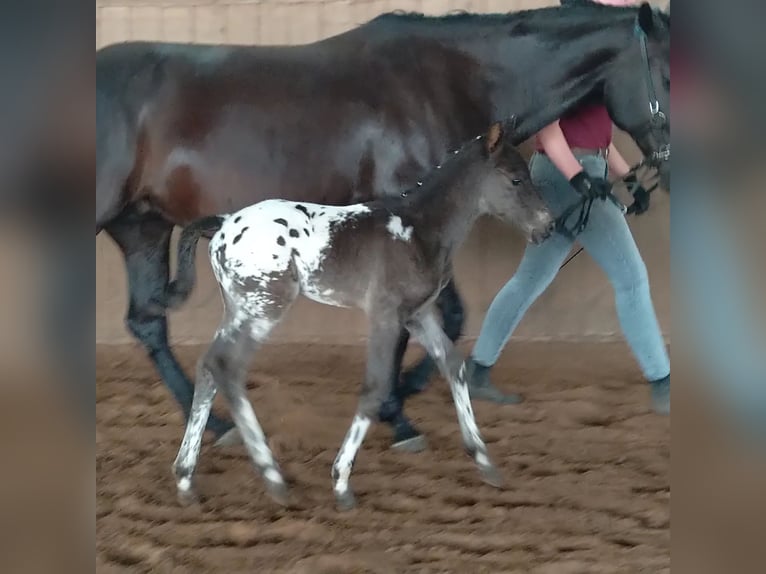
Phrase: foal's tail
(180, 288)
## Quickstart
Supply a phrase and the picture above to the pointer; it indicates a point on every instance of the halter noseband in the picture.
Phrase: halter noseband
(658, 118)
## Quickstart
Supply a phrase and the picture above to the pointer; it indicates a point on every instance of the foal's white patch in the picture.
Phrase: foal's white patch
(184, 484)
(270, 237)
(396, 228)
(272, 475)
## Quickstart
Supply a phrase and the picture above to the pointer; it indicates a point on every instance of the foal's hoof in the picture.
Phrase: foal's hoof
(186, 495)
(345, 501)
(278, 492)
(491, 476)
(229, 438)
(414, 445)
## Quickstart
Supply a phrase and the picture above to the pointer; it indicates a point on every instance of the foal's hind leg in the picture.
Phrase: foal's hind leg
(145, 243)
(381, 357)
(425, 327)
(225, 365)
(188, 454)
(450, 305)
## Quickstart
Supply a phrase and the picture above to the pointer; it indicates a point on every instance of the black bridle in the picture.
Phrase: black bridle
(657, 122)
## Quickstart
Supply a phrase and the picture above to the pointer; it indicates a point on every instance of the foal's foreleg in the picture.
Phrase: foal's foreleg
(450, 306)
(425, 327)
(381, 357)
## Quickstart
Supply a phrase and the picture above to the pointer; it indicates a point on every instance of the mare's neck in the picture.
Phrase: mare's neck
(537, 64)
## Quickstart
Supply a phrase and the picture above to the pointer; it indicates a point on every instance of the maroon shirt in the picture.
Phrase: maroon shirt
(587, 127)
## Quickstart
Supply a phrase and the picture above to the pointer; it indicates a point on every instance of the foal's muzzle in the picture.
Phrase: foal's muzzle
(542, 229)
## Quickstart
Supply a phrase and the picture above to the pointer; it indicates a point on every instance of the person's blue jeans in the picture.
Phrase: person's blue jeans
(607, 238)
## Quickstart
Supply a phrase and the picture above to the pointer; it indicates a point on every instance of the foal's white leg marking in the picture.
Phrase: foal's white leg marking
(188, 454)
(347, 453)
(431, 335)
(396, 228)
(255, 441)
(466, 418)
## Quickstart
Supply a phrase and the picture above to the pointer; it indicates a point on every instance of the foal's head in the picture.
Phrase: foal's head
(508, 191)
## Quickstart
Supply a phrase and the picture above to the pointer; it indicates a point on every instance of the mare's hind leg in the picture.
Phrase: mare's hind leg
(406, 437)
(145, 244)
(450, 305)
(425, 327)
(381, 362)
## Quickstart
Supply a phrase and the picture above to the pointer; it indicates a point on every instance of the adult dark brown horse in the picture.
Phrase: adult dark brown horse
(187, 131)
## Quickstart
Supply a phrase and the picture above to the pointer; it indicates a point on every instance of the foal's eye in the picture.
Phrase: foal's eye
(516, 182)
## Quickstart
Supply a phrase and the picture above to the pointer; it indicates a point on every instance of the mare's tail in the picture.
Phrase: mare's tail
(180, 288)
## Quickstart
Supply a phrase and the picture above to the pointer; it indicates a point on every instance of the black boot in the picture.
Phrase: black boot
(481, 388)
(660, 390)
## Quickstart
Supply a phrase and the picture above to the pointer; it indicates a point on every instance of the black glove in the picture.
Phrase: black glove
(590, 187)
(641, 197)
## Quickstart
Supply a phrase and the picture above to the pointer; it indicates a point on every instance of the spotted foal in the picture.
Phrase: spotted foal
(389, 257)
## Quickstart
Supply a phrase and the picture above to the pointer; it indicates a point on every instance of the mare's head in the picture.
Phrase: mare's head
(637, 86)
(508, 192)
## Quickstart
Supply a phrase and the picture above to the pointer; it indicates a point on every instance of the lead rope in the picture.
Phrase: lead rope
(585, 205)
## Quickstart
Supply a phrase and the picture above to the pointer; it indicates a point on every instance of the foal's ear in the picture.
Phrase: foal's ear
(494, 138)
(646, 18)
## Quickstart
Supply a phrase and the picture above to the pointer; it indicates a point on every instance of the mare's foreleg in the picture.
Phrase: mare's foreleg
(145, 244)
(406, 436)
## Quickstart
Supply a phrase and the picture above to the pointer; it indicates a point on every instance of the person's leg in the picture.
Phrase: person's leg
(608, 239)
(536, 271)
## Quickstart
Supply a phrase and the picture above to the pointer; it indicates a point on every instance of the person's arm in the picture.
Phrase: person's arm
(620, 168)
(617, 164)
(557, 149)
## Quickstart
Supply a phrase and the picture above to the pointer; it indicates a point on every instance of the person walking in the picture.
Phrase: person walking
(573, 158)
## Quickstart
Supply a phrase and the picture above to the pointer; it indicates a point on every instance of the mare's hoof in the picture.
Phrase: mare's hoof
(278, 492)
(345, 501)
(414, 444)
(229, 438)
(406, 437)
(491, 476)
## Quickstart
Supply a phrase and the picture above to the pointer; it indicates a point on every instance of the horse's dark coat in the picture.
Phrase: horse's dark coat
(186, 131)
